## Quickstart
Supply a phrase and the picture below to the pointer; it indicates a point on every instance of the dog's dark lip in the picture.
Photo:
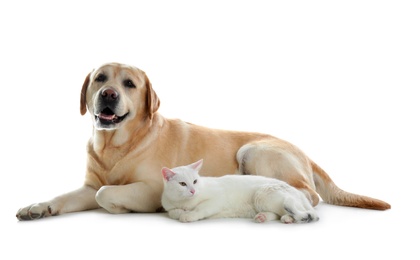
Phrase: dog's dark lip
(107, 117)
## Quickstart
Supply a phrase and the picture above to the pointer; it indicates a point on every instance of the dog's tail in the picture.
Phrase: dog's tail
(332, 194)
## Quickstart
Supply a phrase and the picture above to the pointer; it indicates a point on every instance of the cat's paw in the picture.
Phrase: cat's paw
(300, 218)
(260, 218)
(307, 218)
(188, 217)
(175, 213)
(287, 219)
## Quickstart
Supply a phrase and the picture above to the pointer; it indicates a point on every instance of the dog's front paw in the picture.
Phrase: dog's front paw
(34, 211)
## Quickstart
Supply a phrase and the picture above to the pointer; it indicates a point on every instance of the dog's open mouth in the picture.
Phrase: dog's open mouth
(108, 117)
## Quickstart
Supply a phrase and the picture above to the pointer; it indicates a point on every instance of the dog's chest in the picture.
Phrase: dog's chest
(128, 170)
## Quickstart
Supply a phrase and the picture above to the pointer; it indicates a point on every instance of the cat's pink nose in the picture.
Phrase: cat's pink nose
(192, 191)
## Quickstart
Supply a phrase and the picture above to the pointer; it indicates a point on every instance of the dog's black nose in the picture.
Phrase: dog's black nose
(109, 94)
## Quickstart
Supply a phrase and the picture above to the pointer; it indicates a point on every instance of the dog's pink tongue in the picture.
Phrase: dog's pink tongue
(107, 117)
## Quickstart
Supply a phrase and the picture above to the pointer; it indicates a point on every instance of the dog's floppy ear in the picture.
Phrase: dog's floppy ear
(152, 100)
(83, 95)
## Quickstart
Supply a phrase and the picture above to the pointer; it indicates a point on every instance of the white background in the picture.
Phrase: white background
(340, 79)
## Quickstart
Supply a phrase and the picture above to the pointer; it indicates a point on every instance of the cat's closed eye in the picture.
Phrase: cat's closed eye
(182, 183)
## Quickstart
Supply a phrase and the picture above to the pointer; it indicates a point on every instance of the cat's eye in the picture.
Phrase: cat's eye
(182, 184)
(195, 181)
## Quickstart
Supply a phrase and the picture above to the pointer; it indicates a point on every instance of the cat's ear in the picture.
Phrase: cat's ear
(167, 173)
(197, 165)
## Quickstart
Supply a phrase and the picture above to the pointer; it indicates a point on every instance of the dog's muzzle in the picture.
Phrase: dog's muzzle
(106, 116)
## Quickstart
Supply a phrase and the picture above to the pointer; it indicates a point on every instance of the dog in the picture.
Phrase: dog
(131, 142)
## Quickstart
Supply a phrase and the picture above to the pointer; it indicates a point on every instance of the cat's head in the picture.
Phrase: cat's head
(182, 182)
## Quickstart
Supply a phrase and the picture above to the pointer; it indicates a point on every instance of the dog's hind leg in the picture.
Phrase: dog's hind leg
(281, 160)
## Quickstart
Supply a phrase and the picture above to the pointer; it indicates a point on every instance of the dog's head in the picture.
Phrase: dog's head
(116, 93)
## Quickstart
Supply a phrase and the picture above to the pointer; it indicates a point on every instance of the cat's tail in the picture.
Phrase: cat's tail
(332, 194)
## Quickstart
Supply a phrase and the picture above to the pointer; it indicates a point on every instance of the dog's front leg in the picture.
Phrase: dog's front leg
(77, 200)
(134, 197)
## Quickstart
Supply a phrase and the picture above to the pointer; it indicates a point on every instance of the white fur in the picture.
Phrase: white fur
(232, 196)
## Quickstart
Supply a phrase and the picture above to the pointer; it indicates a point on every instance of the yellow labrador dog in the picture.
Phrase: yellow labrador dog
(131, 142)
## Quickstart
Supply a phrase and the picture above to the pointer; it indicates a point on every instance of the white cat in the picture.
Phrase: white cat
(188, 197)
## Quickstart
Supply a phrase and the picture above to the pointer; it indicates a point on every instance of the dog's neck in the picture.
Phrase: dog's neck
(131, 137)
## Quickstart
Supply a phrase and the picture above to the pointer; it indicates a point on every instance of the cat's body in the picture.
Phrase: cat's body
(189, 197)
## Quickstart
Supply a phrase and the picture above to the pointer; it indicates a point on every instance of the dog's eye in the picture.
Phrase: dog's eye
(129, 84)
(101, 78)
